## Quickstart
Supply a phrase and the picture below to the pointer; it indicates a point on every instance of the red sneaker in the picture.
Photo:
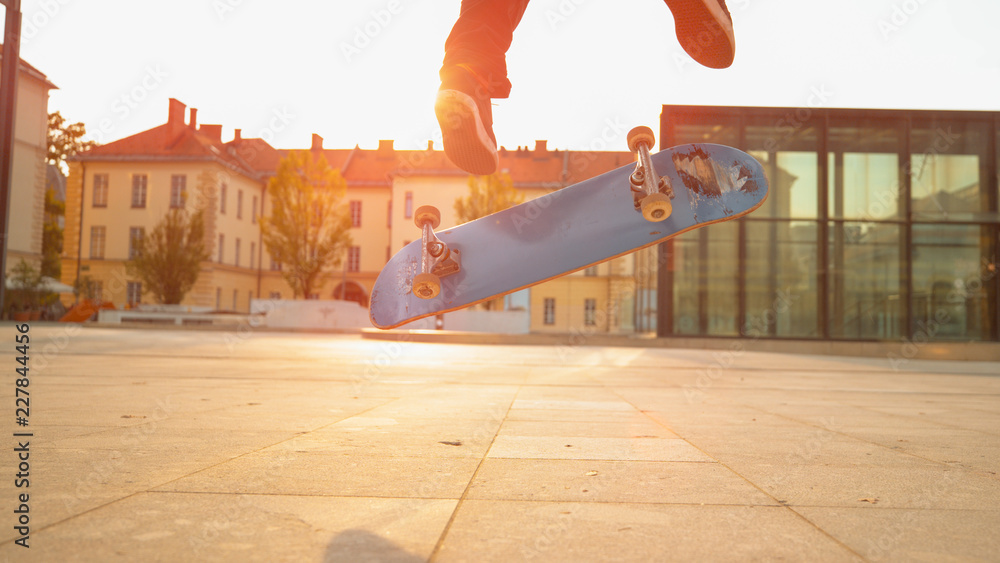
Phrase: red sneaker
(466, 118)
(705, 31)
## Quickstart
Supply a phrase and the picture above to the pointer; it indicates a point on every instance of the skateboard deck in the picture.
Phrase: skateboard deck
(570, 229)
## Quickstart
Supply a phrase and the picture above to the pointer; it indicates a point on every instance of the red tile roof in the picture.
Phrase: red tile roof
(177, 140)
(180, 141)
(31, 71)
(528, 168)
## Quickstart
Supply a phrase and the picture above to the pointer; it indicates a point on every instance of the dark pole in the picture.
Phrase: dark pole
(8, 101)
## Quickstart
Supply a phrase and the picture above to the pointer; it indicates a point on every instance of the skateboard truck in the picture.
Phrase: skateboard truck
(436, 259)
(652, 193)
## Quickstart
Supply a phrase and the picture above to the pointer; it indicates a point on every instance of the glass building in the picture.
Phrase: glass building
(879, 225)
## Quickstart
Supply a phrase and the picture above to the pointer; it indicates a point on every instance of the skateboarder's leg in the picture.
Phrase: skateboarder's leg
(475, 71)
(479, 42)
(705, 30)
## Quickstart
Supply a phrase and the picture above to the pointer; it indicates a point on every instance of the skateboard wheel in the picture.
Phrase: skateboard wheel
(427, 214)
(655, 207)
(641, 134)
(426, 286)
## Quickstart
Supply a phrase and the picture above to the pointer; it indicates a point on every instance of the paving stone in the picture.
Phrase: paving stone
(613, 481)
(543, 531)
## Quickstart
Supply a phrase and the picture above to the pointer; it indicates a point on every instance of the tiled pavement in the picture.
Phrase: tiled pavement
(172, 445)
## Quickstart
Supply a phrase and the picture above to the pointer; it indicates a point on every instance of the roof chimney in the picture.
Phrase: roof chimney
(385, 145)
(193, 122)
(317, 143)
(213, 132)
(238, 135)
(541, 147)
(175, 114)
(430, 145)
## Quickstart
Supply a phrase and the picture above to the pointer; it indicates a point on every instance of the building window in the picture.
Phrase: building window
(388, 214)
(275, 265)
(178, 191)
(550, 311)
(253, 255)
(356, 214)
(236, 257)
(223, 189)
(133, 293)
(97, 236)
(253, 212)
(100, 190)
(222, 244)
(97, 290)
(235, 297)
(275, 295)
(354, 259)
(239, 204)
(408, 209)
(135, 236)
(591, 271)
(139, 182)
(218, 298)
(590, 312)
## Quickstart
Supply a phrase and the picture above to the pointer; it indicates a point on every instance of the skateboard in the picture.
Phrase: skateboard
(659, 197)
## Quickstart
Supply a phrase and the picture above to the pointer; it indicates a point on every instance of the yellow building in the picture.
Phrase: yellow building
(128, 185)
(116, 193)
(27, 195)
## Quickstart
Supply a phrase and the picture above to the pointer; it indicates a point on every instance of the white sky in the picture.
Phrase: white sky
(584, 71)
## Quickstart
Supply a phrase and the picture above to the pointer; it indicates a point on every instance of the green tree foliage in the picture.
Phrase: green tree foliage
(308, 228)
(27, 290)
(169, 258)
(65, 140)
(487, 194)
(52, 235)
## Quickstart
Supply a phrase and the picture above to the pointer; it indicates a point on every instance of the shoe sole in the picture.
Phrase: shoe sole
(466, 142)
(704, 31)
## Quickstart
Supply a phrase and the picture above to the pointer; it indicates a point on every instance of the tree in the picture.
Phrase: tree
(308, 228)
(168, 260)
(487, 194)
(65, 140)
(27, 292)
(62, 142)
(52, 235)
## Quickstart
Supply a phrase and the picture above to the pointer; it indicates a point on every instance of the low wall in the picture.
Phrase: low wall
(311, 314)
(348, 315)
(469, 320)
(166, 317)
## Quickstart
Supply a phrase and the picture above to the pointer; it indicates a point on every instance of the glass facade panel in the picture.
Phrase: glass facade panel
(786, 146)
(947, 169)
(864, 185)
(793, 180)
(954, 275)
(865, 295)
(720, 286)
(687, 283)
(705, 276)
(781, 291)
(718, 132)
